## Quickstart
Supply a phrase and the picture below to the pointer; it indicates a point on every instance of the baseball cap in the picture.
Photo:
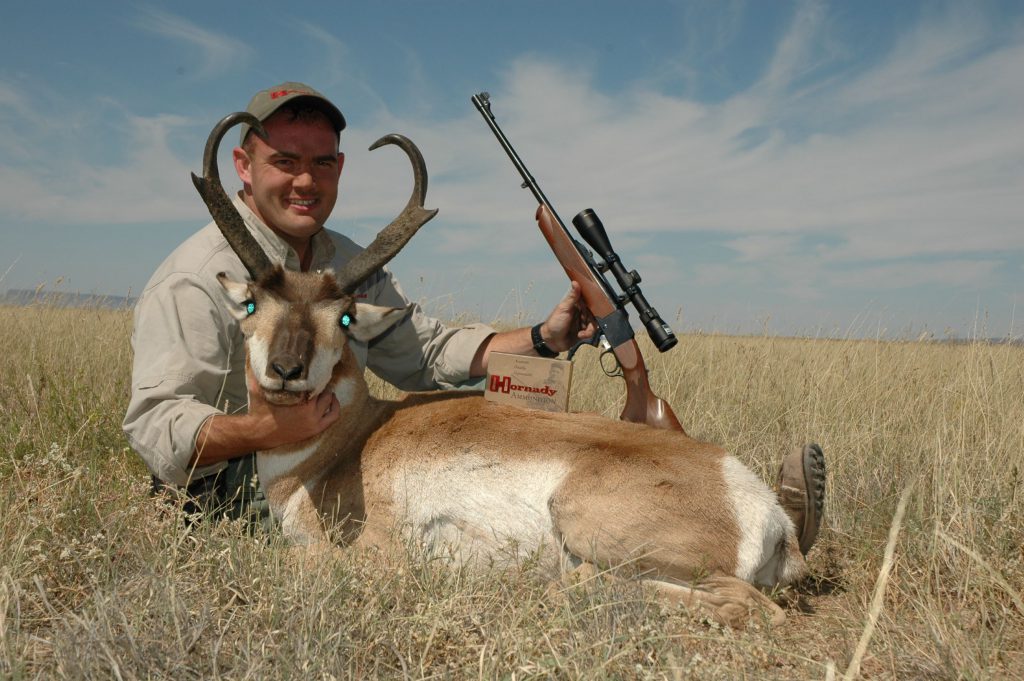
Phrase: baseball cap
(265, 102)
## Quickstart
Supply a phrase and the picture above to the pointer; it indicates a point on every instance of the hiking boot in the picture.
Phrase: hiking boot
(801, 491)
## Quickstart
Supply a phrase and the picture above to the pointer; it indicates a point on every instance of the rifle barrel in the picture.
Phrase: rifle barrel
(482, 101)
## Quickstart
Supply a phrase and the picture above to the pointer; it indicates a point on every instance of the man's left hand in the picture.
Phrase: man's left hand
(569, 323)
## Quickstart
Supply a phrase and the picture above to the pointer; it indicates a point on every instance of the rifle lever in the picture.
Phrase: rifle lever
(599, 340)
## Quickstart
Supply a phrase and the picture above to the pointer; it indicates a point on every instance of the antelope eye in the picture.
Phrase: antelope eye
(345, 321)
(250, 306)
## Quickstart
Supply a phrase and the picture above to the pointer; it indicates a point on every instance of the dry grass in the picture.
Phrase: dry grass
(98, 580)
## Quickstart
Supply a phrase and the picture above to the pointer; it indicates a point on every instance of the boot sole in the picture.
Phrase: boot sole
(814, 480)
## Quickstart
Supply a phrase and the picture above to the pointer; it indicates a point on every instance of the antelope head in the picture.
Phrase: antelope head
(297, 324)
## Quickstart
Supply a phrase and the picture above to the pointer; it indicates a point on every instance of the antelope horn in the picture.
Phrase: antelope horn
(391, 239)
(220, 206)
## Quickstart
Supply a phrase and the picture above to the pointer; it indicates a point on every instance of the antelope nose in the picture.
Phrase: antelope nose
(287, 370)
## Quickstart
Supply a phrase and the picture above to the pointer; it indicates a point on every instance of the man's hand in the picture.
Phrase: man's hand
(284, 425)
(569, 323)
(265, 426)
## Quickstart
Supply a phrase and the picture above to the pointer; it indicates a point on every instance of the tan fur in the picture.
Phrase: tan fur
(453, 466)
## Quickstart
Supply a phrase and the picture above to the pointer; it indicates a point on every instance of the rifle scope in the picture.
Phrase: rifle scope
(592, 230)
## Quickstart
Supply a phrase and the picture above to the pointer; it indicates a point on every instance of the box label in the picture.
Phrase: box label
(529, 382)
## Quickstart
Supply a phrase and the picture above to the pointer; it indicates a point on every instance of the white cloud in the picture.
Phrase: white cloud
(10, 97)
(217, 54)
(952, 272)
(338, 72)
(795, 54)
(762, 246)
(151, 184)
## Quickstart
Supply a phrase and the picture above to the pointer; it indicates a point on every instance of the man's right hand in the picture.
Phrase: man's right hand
(284, 425)
(264, 426)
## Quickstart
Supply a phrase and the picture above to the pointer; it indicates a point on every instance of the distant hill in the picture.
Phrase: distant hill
(23, 297)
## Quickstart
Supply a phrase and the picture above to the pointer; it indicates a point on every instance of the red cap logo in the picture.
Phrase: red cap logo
(284, 93)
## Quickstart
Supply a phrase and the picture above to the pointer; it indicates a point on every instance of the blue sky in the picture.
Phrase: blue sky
(806, 167)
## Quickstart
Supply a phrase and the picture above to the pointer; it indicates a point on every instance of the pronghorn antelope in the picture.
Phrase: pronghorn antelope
(481, 481)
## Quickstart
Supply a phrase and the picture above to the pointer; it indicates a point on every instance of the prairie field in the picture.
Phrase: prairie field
(918, 572)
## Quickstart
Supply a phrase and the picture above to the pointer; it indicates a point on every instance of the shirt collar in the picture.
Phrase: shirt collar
(277, 249)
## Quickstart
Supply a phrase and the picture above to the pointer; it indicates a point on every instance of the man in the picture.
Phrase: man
(189, 416)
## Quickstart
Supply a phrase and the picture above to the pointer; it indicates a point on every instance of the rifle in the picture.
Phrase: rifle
(607, 306)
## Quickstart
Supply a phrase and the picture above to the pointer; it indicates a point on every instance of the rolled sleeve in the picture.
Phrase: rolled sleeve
(185, 356)
(421, 353)
(162, 427)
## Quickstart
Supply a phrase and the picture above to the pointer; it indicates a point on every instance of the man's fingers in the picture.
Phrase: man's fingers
(250, 379)
(255, 389)
(587, 331)
(333, 410)
(572, 304)
(574, 294)
(327, 404)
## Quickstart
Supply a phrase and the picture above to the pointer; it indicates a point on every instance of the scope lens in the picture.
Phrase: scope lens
(660, 334)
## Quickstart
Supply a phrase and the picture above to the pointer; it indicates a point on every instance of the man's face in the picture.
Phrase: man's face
(292, 177)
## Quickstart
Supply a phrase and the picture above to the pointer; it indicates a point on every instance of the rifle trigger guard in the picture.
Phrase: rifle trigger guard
(617, 371)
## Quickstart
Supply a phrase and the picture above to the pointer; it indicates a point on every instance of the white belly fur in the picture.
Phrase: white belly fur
(480, 506)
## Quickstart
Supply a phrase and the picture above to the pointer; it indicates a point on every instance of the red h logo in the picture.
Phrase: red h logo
(500, 384)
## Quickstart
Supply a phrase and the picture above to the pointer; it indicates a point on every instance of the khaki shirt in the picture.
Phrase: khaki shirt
(189, 354)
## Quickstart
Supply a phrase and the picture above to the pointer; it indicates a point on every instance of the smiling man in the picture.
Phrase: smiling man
(194, 415)
(291, 182)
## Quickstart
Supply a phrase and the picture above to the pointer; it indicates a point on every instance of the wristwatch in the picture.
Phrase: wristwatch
(539, 345)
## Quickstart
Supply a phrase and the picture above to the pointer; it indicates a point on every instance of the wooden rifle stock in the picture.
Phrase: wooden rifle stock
(642, 405)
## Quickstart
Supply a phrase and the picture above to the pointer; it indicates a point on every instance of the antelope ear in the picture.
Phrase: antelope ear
(239, 293)
(373, 320)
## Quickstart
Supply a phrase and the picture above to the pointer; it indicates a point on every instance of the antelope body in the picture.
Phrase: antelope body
(486, 482)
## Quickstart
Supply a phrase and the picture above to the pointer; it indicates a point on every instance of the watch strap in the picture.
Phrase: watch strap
(539, 345)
